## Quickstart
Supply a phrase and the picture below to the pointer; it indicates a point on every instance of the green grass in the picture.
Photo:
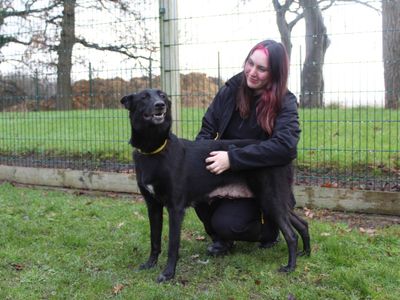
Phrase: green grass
(359, 138)
(331, 138)
(57, 245)
(100, 134)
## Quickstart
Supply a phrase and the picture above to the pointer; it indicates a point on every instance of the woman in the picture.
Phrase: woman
(254, 104)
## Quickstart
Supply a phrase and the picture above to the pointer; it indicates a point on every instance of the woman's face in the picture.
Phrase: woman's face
(256, 70)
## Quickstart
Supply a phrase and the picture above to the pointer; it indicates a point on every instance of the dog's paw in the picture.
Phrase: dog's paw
(286, 269)
(148, 265)
(164, 277)
(304, 253)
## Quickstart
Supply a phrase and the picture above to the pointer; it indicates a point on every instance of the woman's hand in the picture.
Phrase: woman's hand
(218, 162)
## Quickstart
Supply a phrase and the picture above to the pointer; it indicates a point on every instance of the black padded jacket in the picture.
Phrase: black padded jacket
(279, 148)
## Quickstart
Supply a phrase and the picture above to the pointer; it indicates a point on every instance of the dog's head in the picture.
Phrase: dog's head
(150, 117)
(148, 107)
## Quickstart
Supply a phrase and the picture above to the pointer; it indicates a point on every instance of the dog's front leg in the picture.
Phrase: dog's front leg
(155, 213)
(175, 223)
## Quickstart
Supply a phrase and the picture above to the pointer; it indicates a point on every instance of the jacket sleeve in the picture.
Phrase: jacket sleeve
(279, 149)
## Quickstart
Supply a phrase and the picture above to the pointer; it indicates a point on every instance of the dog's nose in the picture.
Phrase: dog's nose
(159, 105)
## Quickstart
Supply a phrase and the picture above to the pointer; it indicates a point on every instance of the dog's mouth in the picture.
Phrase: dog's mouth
(156, 117)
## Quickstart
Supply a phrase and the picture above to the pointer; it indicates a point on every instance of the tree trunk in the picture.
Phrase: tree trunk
(64, 51)
(317, 42)
(391, 52)
(284, 29)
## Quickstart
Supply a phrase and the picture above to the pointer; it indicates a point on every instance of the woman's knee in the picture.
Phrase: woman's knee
(237, 220)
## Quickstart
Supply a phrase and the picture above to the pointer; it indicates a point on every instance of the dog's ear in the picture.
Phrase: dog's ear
(127, 101)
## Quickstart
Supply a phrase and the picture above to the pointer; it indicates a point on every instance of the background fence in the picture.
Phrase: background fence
(350, 141)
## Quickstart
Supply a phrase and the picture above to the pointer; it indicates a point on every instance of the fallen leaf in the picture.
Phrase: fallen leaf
(18, 267)
(203, 262)
(200, 238)
(330, 185)
(368, 231)
(325, 234)
(118, 288)
(184, 281)
(308, 213)
(120, 224)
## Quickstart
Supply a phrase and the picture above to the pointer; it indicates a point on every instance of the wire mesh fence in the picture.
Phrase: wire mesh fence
(350, 141)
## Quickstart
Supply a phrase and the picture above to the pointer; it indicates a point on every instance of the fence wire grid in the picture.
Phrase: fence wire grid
(350, 141)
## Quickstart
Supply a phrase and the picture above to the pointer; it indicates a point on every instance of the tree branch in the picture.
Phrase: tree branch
(4, 40)
(330, 3)
(27, 11)
(365, 3)
(119, 49)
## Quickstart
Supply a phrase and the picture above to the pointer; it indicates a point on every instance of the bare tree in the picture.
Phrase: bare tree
(59, 36)
(317, 42)
(391, 52)
(285, 27)
(64, 53)
(7, 10)
(68, 39)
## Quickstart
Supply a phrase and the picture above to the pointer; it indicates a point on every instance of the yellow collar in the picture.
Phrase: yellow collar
(158, 150)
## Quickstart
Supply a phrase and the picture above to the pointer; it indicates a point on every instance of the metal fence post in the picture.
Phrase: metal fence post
(37, 96)
(169, 49)
(92, 104)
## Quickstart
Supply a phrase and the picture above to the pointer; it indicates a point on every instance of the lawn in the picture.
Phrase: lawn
(59, 245)
(356, 138)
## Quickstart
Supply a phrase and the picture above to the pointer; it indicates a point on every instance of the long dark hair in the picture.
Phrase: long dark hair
(271, 98)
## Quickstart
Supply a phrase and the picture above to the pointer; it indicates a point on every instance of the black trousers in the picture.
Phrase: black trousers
(236, 220)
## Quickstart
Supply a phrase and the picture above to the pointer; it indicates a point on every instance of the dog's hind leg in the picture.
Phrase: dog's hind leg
(274, 194)
(273, 206)
(302, 228)
(291, 241)
(155, 213)
(175, 222)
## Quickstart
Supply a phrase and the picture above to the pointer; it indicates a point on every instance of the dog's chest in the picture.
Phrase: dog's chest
(150, 189)
(155, 183)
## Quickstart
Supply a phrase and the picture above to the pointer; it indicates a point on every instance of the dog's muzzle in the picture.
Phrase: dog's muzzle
(157, 116)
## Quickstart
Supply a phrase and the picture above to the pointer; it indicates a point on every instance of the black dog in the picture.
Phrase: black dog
(171, 172)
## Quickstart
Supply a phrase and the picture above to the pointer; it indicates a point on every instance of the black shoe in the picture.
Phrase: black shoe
(219, 248)
(268, 244)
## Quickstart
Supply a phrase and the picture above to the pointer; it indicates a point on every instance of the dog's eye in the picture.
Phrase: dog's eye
(162, 95)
